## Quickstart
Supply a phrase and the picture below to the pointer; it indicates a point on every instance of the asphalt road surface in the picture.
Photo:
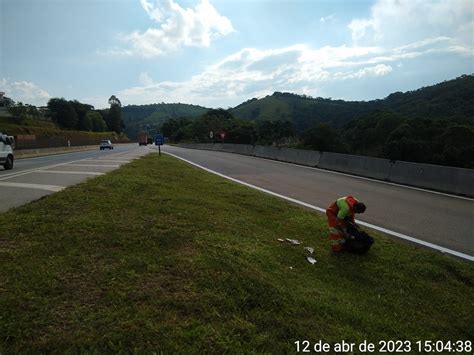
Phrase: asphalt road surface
(444, 220)
(33, 178)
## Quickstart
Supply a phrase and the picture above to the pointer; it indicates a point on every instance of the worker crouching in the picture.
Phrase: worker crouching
(340, 216)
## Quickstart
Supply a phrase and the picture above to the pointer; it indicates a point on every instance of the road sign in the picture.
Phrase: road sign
(211, 134)
(158, 139)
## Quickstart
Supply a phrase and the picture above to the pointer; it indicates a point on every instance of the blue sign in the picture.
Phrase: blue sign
(158, 139)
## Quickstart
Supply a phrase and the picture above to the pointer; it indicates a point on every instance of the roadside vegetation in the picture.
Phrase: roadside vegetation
(161, 256)
(61, 123)
(68, 115)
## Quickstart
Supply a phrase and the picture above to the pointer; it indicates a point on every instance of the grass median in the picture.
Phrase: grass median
(161, 256)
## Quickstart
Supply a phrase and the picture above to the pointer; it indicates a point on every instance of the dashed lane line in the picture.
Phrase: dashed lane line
(69, 172)
(53, 188)
(24, 172)
(95, 165)
(107, 161)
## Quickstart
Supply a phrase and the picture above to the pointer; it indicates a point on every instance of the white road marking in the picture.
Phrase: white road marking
(24, 172)
(53, 188)
(381, 229)
(106, 160)
(69, 172)
(95, 165)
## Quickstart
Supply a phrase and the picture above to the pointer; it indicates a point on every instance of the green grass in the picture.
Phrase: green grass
(161, 256)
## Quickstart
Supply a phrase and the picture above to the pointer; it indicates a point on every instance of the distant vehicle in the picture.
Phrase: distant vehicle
(142, 139)
(106, 144)
(6, 151)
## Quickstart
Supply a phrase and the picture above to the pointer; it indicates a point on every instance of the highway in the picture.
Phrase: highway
(444, 220)
(33, 178)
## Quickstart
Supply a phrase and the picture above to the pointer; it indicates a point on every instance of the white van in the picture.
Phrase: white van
(6, 151)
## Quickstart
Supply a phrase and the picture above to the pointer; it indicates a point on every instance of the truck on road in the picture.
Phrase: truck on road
(6, 151)
(142, 139)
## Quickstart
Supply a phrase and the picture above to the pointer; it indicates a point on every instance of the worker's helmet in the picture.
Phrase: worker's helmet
(359, 207)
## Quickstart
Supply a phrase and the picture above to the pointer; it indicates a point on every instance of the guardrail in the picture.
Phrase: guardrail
(436, 177)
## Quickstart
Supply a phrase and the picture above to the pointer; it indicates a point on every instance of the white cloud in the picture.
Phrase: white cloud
(326, 19)
(394, 22)
(251, 72)
(395, 33)
(145, 79)
(178, 27)
(378, 70)
(25, 92)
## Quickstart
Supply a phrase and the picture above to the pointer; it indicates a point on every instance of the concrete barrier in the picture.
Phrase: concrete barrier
(441, 178)
(299, 156)
(228, 147)
(356, 164)
(204, 146)
(266, 152)
(31, 153)
(245, 149)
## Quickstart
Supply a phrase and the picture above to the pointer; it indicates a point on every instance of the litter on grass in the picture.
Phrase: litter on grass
(311, 260)
(293, 241)
(309, 249)
(280, 240)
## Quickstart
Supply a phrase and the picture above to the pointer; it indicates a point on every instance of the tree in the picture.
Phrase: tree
(174, 128)
(87, 124)
(215, 120)
(81, 111)
(323, 138)
(113, 100)
(274, 132)
(242, 132)
(33, 112)
(62, 112)
(97, 122)
(18, 112)
(458, 147)
(403, 144)
(114, 120)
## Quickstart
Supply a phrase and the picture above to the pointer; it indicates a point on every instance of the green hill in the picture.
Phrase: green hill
(149, 118)
(453, 99)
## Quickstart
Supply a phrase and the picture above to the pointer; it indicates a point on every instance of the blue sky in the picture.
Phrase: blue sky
(218, 53)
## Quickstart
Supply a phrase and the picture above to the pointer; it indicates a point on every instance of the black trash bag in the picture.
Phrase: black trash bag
(359, 242)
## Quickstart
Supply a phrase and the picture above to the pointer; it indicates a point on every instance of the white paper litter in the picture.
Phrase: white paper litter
(311, 260)
(309, 249)
(293, 241)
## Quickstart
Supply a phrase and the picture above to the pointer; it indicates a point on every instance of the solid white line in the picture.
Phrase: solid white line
(95, 165)
(53, 188)
(372, 226)
(69, 172)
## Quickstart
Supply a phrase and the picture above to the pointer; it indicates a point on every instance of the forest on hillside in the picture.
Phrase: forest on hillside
(452, 99)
